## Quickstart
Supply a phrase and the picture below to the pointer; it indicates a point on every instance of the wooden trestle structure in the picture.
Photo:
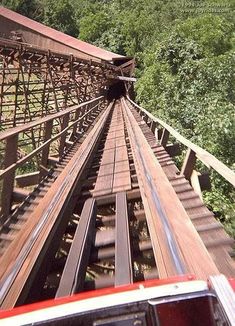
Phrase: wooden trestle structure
(90, 194)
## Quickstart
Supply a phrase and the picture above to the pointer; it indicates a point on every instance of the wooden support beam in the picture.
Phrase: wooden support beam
(53, 160)
(189, 163)
(80, 124)
(74, 132)
(207, 227)
(8, 180)
(46, 150)
(104, 238)
(123, 261)
(107, 253)
(200, 182)
(204, 180)
(219, 243)
(133, 194)
(173, 149)
(52, 76)
(29, 179)
(159, 133)
(164, 137)
(194, 180)
(145, 118)
(153, 126)
(63, 137)
(19, 195)
(107, 281)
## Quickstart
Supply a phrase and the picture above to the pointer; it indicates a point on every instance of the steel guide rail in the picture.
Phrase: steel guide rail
(171, 243)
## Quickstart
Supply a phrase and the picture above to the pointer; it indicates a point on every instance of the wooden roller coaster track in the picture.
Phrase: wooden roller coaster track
(91, 196)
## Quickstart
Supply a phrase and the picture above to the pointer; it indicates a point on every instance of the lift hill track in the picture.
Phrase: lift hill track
(106, 204)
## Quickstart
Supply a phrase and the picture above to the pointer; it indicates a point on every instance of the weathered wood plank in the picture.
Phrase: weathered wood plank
(73, 277)
(123, 260)
(114, 171)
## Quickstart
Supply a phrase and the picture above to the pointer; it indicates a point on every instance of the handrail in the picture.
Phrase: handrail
(11, 163)
(16, 130)
(204, 156)
(20, 162)
(26, 158)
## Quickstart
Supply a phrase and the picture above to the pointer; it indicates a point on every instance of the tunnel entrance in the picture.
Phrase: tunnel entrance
(116, 90)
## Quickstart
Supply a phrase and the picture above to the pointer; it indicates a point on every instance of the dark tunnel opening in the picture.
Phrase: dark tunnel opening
(116, 90)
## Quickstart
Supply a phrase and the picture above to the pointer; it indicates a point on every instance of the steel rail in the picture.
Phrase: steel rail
(171, 242)
(170, 230)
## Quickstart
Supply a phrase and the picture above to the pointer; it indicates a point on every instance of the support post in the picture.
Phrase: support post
(74, 132)
(195, 182)
(153, 126)
(189, 163)
(8, 180)
(63, 137)
(46, 150)
(164, 137)
(145, 118)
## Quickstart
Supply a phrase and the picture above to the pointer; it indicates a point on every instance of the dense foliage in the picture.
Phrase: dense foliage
(185, 64)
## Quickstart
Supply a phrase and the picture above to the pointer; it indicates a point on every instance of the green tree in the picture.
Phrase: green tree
(93, 25)
(60, 14)
(188, 80)
(29, 8)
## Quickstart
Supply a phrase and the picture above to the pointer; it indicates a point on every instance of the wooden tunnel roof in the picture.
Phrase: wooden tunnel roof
(43, 36)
